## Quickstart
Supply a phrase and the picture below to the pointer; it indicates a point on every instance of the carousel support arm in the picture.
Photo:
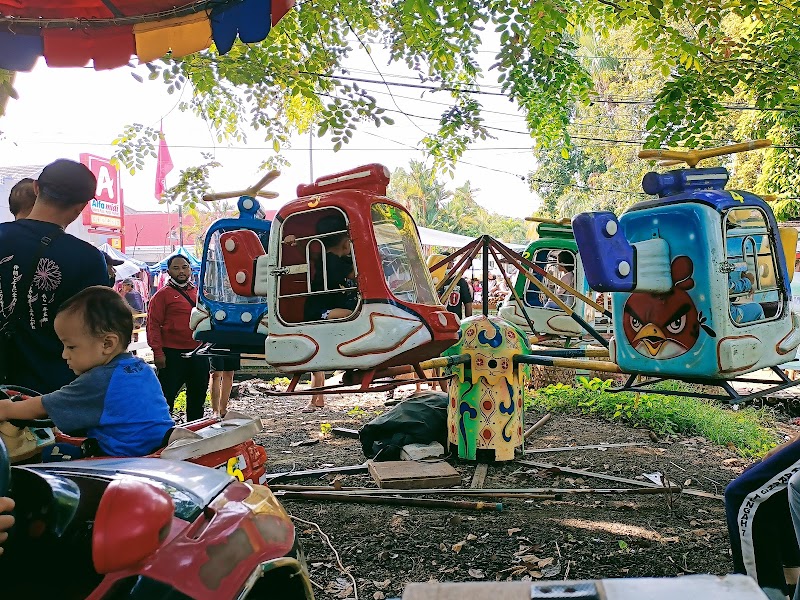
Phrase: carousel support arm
(516, 297)
(567, 363)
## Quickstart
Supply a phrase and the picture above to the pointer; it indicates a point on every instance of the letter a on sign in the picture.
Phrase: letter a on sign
(105, 183)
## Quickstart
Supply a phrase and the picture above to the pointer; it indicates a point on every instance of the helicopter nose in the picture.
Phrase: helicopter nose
(652, 337)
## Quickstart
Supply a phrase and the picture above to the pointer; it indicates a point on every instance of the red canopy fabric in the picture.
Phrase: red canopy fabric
(96, 9)
(71, 33)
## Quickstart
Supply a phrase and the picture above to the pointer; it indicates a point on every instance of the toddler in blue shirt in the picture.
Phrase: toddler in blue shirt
(116, 398)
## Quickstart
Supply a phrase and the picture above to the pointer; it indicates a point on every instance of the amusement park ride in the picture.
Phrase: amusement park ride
(686, 253)
(396, 318)
(698, 278)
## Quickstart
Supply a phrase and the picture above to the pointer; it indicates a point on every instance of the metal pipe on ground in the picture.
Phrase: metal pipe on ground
(543, 493)
(538, 425)
(390, 500)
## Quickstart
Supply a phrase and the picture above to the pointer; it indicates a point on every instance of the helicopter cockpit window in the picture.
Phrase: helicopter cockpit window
(560, 264)
(216, 285)
(406, 273)
(751, 264)
(317, 275)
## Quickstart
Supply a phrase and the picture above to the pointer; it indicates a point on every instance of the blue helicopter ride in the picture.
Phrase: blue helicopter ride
(225, 320)
(698, 278)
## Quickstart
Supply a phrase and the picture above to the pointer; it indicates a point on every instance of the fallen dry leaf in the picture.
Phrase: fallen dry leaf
(382, 585)
(346, 592)
(476, 573)
(458, 546)
(378, 596)
(514, 530)
(546, 562)
(471, 537)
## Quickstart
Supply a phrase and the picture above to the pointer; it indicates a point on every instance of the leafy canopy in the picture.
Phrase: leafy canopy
(711, 55)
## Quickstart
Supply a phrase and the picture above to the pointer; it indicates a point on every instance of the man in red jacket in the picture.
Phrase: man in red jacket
(169, 336)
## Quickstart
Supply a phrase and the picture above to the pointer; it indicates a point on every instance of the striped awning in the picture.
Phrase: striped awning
(107, 33)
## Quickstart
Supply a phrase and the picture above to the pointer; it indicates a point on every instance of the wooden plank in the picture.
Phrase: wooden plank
(544, 465)
(408, 475)
(481, 469)
(549, 493)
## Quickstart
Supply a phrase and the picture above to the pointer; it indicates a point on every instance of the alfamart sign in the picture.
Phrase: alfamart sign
(105, 210)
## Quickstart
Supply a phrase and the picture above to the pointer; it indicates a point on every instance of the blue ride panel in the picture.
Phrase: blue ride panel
(684, 180)
(608, 258)
(672, 333)
(234, 321)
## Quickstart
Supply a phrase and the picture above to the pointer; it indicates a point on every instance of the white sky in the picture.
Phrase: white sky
(63, 112)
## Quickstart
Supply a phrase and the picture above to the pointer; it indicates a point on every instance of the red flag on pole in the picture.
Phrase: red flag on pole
(163, 167)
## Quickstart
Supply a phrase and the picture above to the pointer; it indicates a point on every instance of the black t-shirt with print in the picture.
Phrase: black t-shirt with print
(67, 266)
(461, 295)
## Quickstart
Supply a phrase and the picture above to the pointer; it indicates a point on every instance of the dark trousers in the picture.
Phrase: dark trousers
(759, 523)
(180, 371)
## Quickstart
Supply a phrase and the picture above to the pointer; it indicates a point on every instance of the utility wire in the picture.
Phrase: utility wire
(609, 99)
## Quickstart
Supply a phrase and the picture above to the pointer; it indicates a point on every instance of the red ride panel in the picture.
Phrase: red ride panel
(241, 249)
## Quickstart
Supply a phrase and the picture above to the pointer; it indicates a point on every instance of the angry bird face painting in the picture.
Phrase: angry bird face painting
(662, 326)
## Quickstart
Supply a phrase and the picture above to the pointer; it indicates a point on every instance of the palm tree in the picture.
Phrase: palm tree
(420, 192)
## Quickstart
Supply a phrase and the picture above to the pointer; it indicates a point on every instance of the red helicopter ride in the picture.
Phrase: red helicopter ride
(393, 315)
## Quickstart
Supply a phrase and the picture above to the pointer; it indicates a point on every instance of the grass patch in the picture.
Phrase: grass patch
(180, 400)
(747, 429)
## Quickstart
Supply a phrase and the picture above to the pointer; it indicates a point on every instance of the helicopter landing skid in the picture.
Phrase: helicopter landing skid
(730, 395)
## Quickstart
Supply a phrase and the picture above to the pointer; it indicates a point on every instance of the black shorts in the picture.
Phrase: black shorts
(225, 363)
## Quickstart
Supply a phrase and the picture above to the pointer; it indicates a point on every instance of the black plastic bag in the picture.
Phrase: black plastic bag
(420, 419)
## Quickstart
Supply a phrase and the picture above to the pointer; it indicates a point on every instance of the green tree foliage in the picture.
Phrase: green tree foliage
(423, 193)
(704, 58)
(599, 173)
(420, 191)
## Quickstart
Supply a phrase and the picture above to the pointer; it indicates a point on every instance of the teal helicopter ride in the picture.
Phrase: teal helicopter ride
(698, 279)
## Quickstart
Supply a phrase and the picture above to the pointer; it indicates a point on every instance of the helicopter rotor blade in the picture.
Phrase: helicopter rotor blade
(254, 190)
(692, 157)
(564, 221)
(223, 195)
(263, 182)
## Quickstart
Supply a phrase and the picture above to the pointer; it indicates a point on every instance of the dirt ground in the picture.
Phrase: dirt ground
(575, 537)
